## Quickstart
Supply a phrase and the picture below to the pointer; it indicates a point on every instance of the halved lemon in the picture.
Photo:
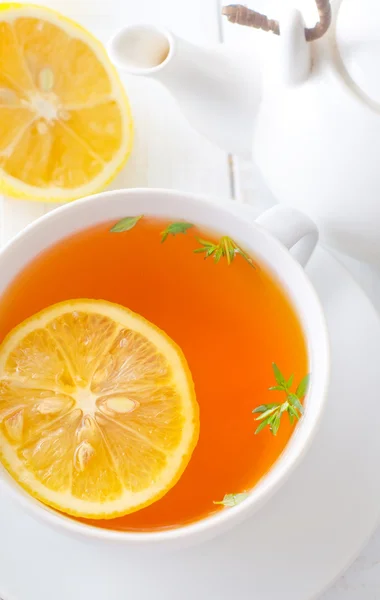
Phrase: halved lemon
(66, 127)
(98, 416)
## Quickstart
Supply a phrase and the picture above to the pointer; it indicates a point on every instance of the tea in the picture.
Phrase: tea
(232, 321)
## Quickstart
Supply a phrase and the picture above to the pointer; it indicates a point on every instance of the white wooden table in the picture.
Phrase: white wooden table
(169, 154)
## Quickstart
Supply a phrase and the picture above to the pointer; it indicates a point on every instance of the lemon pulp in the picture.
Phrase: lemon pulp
(98, 416)
(66, 124)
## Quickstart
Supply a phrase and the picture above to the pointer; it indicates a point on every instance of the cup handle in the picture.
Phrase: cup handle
(293, 229)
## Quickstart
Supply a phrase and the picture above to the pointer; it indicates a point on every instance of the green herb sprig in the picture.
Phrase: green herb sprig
(270, 414)
(175, 228)
(125, 224)
(233, 499)
(226, 248)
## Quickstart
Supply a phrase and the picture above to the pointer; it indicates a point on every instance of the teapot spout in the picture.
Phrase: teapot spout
(141, 49)
(217, 92)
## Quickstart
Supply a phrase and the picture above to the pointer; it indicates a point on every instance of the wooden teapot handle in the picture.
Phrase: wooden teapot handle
(237, 13)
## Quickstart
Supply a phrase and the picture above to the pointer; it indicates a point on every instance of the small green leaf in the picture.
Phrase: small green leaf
(208, 248)
(233, 499)
(229, 250)
(292, 410)
(293, 413)
(302, 388)
(297, 404)
(224, 242)
(292, 398)
(210, 251)
(232, 253)
(205, 243)
(290, 382)
(174, 228)
(218, 254)
(263, 407)
(277, 388)
(267, 413)
(125, 224)
(279, 376)
(276, 424)
(260, 427)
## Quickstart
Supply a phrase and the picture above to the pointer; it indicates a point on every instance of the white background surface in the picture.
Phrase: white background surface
(168, 153)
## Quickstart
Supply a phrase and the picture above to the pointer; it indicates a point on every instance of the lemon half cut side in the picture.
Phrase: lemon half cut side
(66, 126)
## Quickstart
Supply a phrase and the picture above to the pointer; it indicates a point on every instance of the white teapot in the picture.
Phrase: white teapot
(309, 100)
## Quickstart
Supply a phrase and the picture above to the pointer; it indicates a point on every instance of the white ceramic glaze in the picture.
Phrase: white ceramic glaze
(296, 232)
(313, 109)
(319, 520)
(317, 141)
(204, 81)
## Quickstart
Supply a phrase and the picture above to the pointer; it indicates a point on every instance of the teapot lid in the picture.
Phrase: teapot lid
(358, 44)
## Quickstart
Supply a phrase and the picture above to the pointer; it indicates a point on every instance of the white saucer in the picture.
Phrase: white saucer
(292, 549)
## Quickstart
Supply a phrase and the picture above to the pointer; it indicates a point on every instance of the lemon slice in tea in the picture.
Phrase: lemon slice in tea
(66, 126)
(98, 416)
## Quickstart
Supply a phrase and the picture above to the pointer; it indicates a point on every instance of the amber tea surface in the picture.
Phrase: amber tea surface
(232, 321)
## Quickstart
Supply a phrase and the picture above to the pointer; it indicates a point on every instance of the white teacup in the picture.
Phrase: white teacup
(282, 240)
